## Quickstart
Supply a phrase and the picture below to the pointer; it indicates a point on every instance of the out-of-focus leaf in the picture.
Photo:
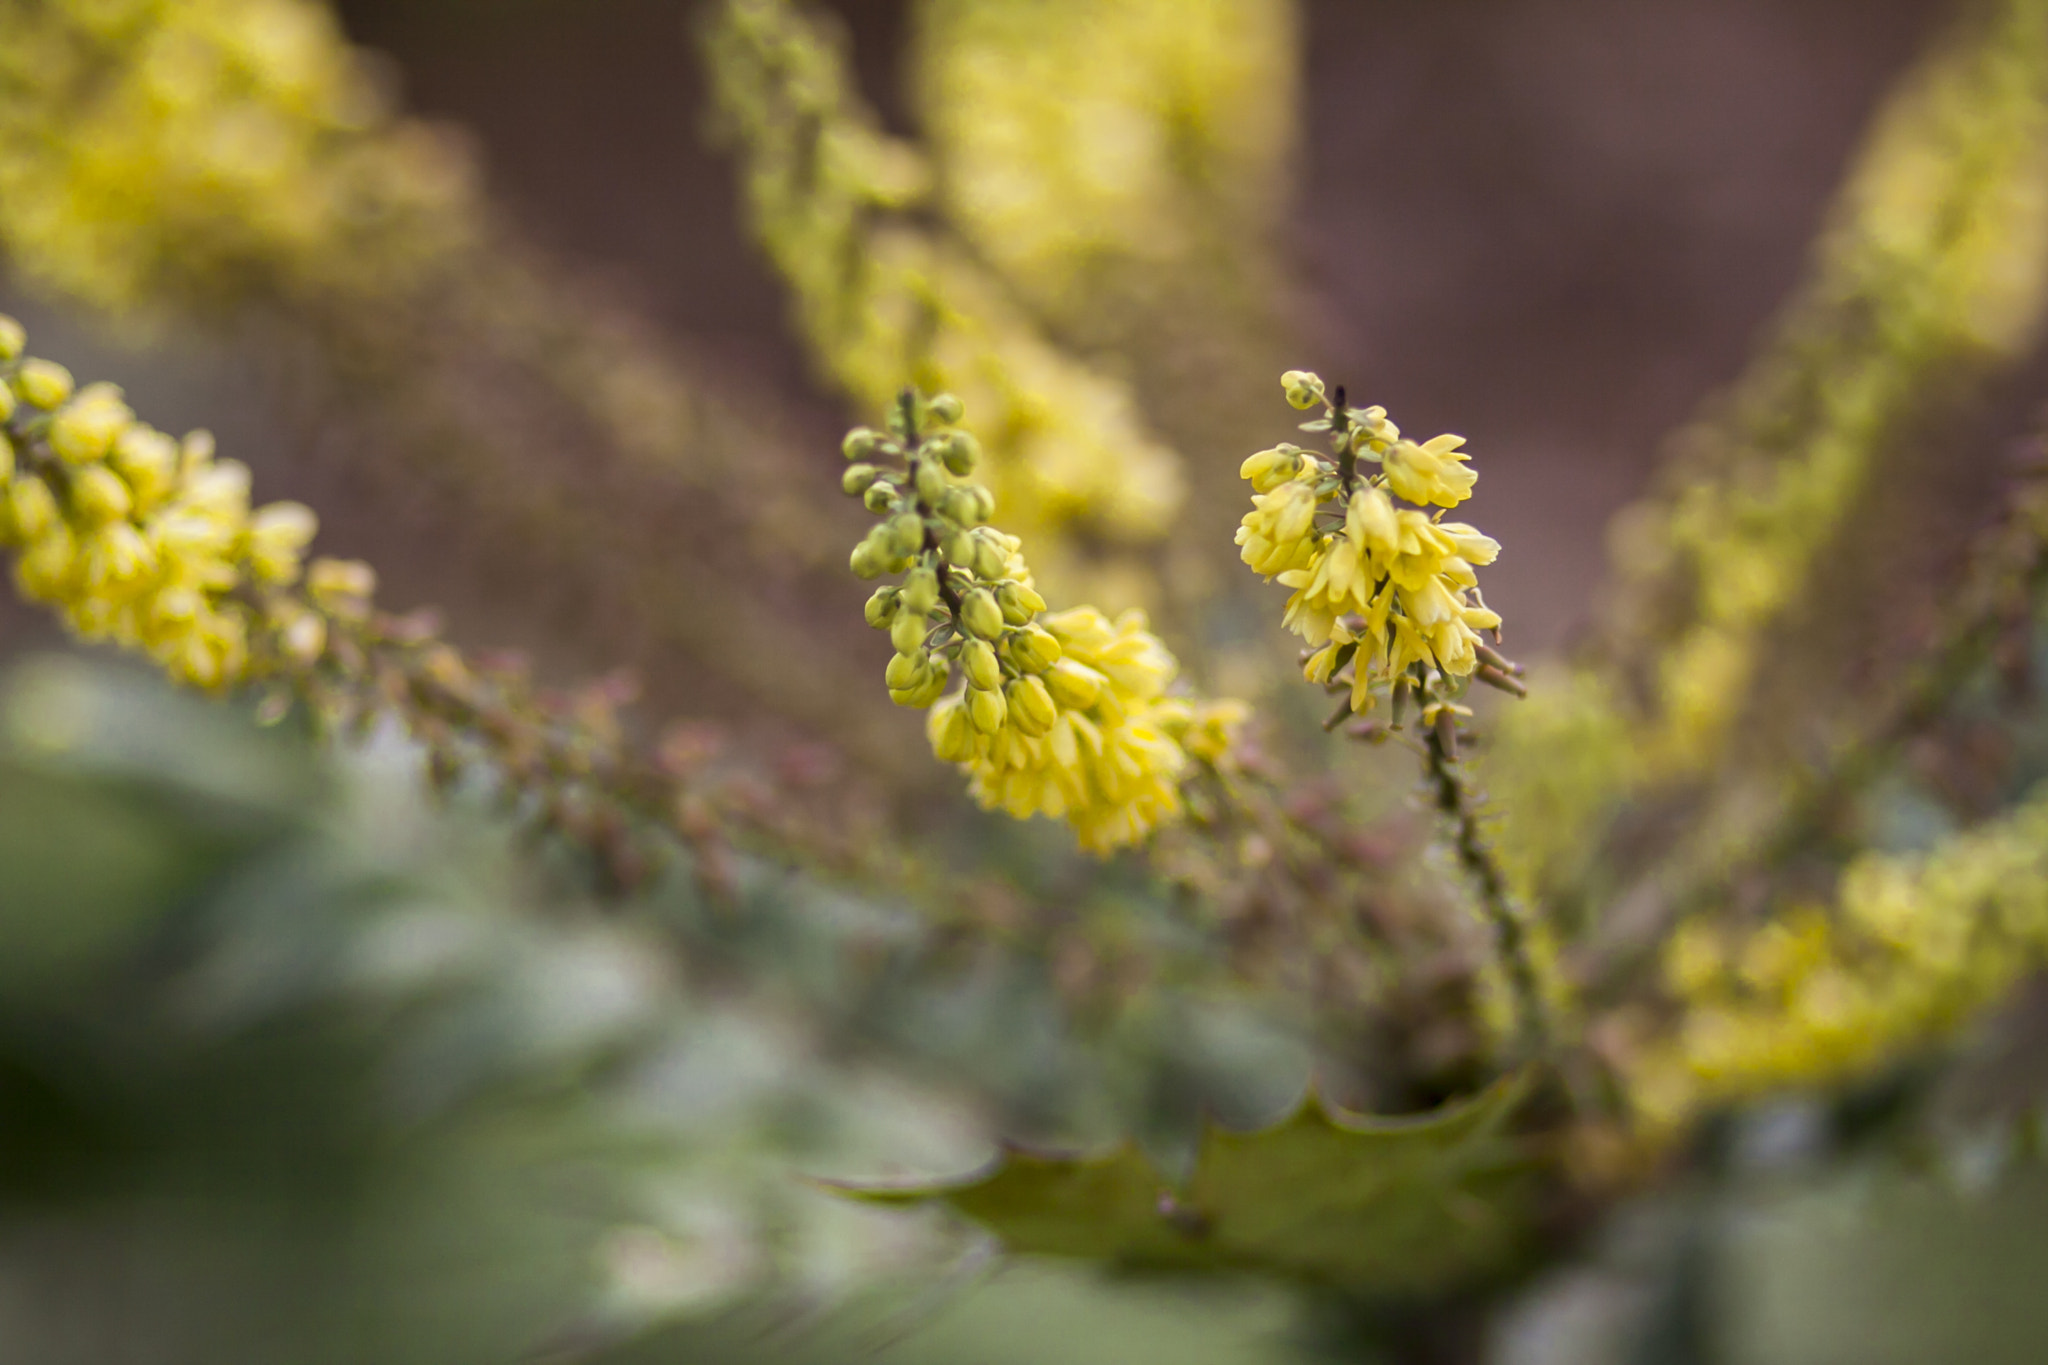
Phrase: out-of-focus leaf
(1326, 1196)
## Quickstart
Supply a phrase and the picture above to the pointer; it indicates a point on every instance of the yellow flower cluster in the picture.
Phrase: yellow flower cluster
(1917, 946)
(1062, 714)
(143, 540)
(1380, 589)
(143, 141)
(883, 296)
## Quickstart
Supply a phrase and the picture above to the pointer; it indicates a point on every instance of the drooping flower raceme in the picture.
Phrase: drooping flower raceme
(1062, 714)
(1387, 595)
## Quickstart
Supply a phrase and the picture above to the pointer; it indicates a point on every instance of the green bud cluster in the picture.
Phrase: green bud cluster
(965, 601)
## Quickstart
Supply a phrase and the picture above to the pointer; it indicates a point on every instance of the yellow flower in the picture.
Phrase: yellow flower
(1278, 534)
(1433, 472)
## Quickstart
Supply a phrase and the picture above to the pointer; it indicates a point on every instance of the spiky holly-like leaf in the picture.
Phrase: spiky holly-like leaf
(1323, 1195)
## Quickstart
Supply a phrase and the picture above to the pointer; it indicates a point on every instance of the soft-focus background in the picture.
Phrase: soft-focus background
(328, 1073)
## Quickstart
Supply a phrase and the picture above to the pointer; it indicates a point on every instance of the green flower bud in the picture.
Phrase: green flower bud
(6, 459)
(951, 731)
(959, 549)
(880, 497)
(859, 478)
(947, 408)
(978, 658)
(971, 505)
(869, 557)
(7, 401)
(990, 559)
(1074, 686)
(907, 632)
(908, 670)
(924, 693)
(99, 495)
(881, 608)
(986, 709)
(1033, 650)
(860, 443)
(962, 450)
(1030, 706)
(906, 534)
(43, 384)
(13, 336)
(980, 614)
(931, 483)
(921, 590)
(1019, 603)
(1304, 390)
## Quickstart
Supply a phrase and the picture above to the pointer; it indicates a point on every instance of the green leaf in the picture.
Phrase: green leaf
(1390, 1205)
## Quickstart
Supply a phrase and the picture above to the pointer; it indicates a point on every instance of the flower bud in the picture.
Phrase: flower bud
(860, 443)
(6, 457)
(962, 451)
(331, 579)
(991, 561)
(971, 505)
(31, 508)
(986, 709)
(906, 534)
(881, 608)
(13, 336)
(1304, 390)
(931, 483)
(907, 632)
(921, 591)
(304, 639)
(43, 384)
(858, 479)
(7, 402)
(1018, 602)
(946, 408)
(99, 495)
(958, 549)
(1030, 706)
(980, 614)
(1270, 468)
(907, 670)
(880, 497)
(1074, 685)
(148, 460)
(978, 658)
(951, 731)
(924, 693)
(869, 556)
(1032, 650)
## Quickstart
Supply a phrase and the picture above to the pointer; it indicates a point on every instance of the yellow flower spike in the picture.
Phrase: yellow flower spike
(1062, 714)
(1364, 570)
